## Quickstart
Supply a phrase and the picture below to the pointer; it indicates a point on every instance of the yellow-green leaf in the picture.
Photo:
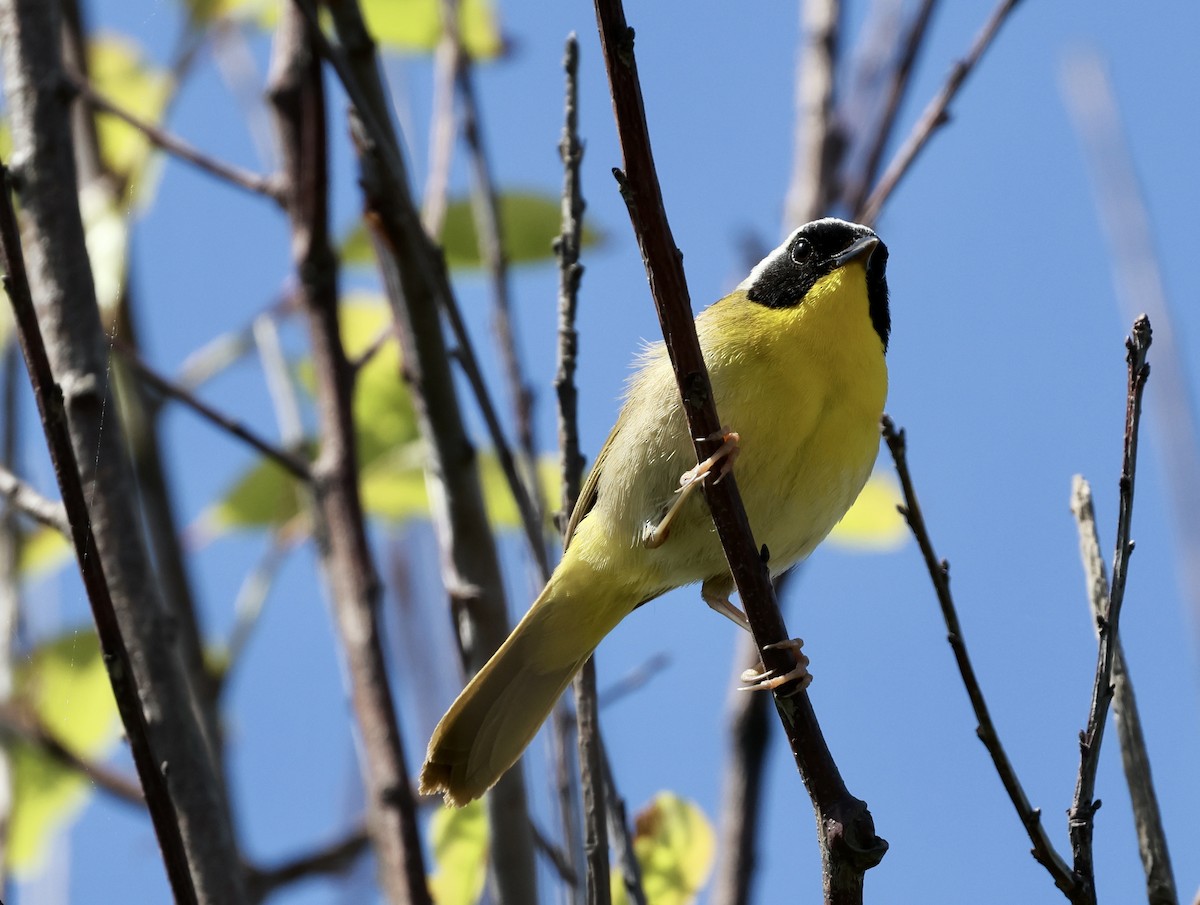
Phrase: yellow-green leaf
(66, 684)
(530, 221)
(265, 495)
(460, 847)
(43, 550)
(415, 26)
(121, 73)
(263, 13)
(106, 235)
(873, 523)
(674, 844)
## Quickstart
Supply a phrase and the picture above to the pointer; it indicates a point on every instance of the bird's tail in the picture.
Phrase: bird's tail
(497, 715)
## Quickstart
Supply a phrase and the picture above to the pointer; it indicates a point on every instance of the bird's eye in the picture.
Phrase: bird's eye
(800, 250)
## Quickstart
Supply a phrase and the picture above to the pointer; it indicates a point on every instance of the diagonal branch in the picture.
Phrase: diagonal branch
(939, 574)
(934, 116)
(849, 845)
(855, 192)
(23, 497)
(1081, 816)
(177, 147)
(1135, 757)
(289, 461)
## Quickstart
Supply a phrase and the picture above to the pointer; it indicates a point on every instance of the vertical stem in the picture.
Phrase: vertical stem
(10, 551)
(67, 316)
(298, 99)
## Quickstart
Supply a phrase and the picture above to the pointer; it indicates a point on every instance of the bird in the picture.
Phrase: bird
(796, 356)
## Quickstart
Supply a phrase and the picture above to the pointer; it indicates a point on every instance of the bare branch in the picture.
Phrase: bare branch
(330, 860)
(177, 147)
(855, 193)
(1081, 816)
(290, 462)
(1135, 758)
(41, 509)
(19, 722)
(419, 290)
(298, 100)
(819, 140)
(934, 116)
(191, 816)
(939, 574)
(848, 842)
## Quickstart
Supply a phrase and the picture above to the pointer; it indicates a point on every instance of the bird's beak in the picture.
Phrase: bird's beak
(862, 247)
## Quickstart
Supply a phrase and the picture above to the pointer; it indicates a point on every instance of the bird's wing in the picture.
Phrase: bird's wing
(587, 496)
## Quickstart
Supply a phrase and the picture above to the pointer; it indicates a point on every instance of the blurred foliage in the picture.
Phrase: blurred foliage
(675, 846)
(402, 26)
(873, 524)
(122, 74)
(65, 684)
(460, 848)
(530, 221)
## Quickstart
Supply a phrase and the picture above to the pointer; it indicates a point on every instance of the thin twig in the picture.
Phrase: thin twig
(442, 127)
(939, 574)
(1135, 757)
(559, 859)
(622, 839)
(41, 509)
(297, 99)
(1082, 813)
(934, 116)
(331, 860)
(901, 78)
(161, 138)
(19, 722)
(595, 822)
(849, 845)
(286, 460)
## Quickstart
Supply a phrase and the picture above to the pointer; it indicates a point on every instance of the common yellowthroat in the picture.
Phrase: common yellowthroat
(796, 359)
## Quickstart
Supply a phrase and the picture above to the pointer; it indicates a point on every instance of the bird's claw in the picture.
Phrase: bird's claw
(762, 679)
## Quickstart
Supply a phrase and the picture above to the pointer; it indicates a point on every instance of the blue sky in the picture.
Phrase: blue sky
(1006, 368)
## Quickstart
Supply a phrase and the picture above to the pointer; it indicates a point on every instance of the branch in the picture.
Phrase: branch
(934, 116)
(329, 860)
(418, 290)
(849, 845)
(289, 461)
(191, 815)
(939, 573)
(1135, 758)
(913, 42)
(819, 141)
(41, 509)
(298, 100)
(19, 722)
(160, 138)
(1082, 813)
(570, 272)
(116, 657)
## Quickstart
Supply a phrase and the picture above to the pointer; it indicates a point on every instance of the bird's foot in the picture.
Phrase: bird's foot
(720, 461)
(762, 679)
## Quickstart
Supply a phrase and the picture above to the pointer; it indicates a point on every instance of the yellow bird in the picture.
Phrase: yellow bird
(796, 358)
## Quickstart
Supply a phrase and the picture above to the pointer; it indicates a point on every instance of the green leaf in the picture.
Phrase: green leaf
(674, 844)
(460, 847)
(264, 496)
(873, 524)
(66, 685)
(121, 73)
(531, 220)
